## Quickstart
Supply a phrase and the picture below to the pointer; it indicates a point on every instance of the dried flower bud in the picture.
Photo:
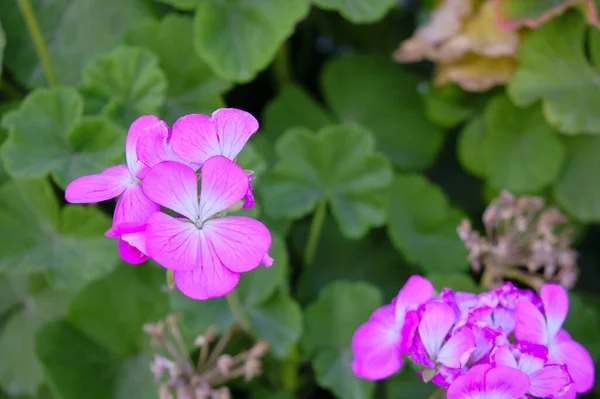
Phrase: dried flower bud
(224, 363)
(259, 349)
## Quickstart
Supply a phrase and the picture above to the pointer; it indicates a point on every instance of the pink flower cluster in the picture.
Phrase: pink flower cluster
(503, 344)
(206, 250)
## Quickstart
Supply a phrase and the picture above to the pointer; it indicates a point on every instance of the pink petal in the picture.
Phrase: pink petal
(530, 326)
(485, 339)
(175, 186)
(503, 356)
(465, 300)
(578, 361)
(556, 306)
(134, 206)
(375, 345)
(135, 131)
(131, 254)
(530, 363)
(470, 385)
(209, 279)
(550, 381)
(411, 323)
(95, 188)
(455, 353)
(505, 320)
(436, 322)
(240, 242)
(415, 292)
(195, 139)
(173, 243)
(137, 240)
(570, 393)
(505, 383)
(223, 184)
(154, 147)
(234, 128)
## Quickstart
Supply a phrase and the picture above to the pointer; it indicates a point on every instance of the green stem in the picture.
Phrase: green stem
(289, 371)
(315, 232)
(238, 311)
(38, 41)
(281, 66)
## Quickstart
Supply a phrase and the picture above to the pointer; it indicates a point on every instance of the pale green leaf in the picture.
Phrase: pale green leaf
(359, 11)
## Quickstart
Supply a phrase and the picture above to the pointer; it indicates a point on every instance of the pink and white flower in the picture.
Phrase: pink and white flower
(487, 382)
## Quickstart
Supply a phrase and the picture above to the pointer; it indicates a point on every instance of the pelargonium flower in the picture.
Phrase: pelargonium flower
(380, 343)
(533, 327)
(206, 252)
(486, 382)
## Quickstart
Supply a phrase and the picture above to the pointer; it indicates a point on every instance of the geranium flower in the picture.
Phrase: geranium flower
(487, 382)
(207, 253)
(380, 343)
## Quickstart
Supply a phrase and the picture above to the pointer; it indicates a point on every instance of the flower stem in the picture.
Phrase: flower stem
(315, 232)
(281, 66)
(238, 311)
(38, 40)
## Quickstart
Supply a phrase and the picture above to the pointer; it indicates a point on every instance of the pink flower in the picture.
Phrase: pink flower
(485, 382)
(534, 328)
(155, 146)
(435, 345)
(123, 181)
(547, 380)
(207, 253)
(380, 343)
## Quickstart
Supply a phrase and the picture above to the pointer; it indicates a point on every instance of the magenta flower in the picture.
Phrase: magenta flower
(487, 382)
(380, 343)
(435, 345)
(123, 181)
(534, 328)
(547, 380)
(207, 253)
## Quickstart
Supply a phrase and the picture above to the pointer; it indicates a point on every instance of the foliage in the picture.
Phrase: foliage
(366, 165)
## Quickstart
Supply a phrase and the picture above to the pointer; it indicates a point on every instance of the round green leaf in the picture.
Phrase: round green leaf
(330, 323)
(394, 111)
(422, 225)
(358, 11)
(68, 244)
(447, 106)
(337, 165)
(192, 85)
(239, 38)
(125, 83)
(470, 147)
(577, 189)
(523, 153)
(569, 89)
(74, 32)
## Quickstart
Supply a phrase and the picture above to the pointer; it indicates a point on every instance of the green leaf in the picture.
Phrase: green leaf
(330, 323)
(531, 13)
(407, 385)
(113, 310)
(46, 135)
(523, 153)
(569, 89)
(422, 225)
(66, 244)
(394, 111)
(337, 165)
(13, 290)
(125, 83)
(447, 106)
(358, 11)
(186, 5)
(192, 85)
(2, 45)
(74, 32)
(577, 190)
(239, 38)
(583, 321)
(454, 281)
(135, 379)
(470, 147)
(20, 370)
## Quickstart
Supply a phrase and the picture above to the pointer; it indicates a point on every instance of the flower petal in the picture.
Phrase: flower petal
(95, 188)
(135, 131)
(375, 345)
(505, 383)
(175, 186)
(579, 363)
(503, 356)
(195, 139)
(549, 381)
(234, 128)
(556, 306)
(131, 254)
(485, 339)
(530, 326)
(209, 279)
(223, 184)
(153, 146)
(173, 243)
(415, 292)
(436, 322)
(134, 206)
(240, 242)
(455, 353)
(530, 363)
(469, 385)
